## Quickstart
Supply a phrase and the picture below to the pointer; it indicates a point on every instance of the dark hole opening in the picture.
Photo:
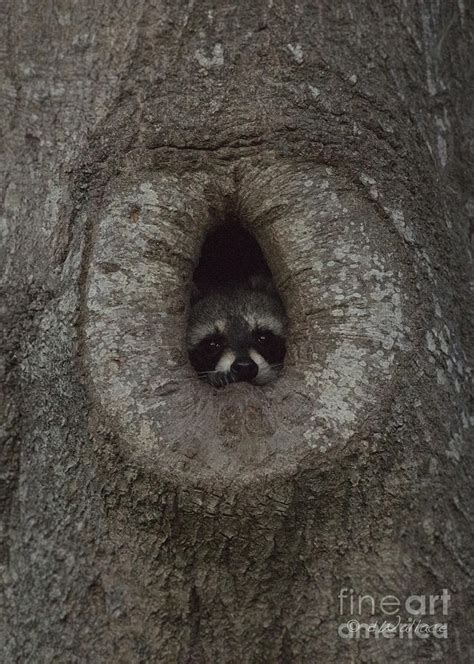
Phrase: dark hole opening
(230, 256)
(237, 324)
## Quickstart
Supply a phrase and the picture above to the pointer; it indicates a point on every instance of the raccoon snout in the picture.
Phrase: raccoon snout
(244, 368)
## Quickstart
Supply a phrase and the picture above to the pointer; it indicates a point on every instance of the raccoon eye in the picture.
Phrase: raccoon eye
(213, 344)
(263, 336)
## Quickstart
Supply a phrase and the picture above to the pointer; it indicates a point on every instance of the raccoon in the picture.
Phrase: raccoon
(238, 333)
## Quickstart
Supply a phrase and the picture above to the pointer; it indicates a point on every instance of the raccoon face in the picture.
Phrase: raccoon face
(237, 335)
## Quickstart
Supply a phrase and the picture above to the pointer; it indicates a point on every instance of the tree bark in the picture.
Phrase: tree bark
(145, 516)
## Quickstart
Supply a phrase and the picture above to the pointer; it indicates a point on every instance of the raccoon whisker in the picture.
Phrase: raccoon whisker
(216, 378)
(222, 380)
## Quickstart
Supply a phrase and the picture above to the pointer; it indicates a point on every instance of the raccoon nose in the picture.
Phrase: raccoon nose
(244, 368)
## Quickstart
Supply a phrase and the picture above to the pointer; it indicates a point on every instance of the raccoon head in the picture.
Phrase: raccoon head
(237, 334)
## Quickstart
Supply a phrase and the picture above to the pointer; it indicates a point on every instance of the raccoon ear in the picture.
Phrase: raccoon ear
(196, 293)
(199, 290)
(262, 282)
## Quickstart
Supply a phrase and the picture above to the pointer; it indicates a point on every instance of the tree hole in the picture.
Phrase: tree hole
(237, 324)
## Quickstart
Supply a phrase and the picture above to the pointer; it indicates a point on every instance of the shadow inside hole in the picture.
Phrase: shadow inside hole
(230, 256)
(237, 324)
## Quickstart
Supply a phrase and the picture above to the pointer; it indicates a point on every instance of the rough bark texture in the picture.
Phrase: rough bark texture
(146, 517)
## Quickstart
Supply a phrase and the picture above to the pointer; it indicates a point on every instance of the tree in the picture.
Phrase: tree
(147, 518)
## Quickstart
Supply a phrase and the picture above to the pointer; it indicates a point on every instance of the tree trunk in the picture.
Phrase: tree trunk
(146, 516)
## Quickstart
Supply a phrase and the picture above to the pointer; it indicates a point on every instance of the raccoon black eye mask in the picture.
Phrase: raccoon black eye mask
(237, 334)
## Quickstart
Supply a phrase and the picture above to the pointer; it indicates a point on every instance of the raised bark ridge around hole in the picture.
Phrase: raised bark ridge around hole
(338, 267)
